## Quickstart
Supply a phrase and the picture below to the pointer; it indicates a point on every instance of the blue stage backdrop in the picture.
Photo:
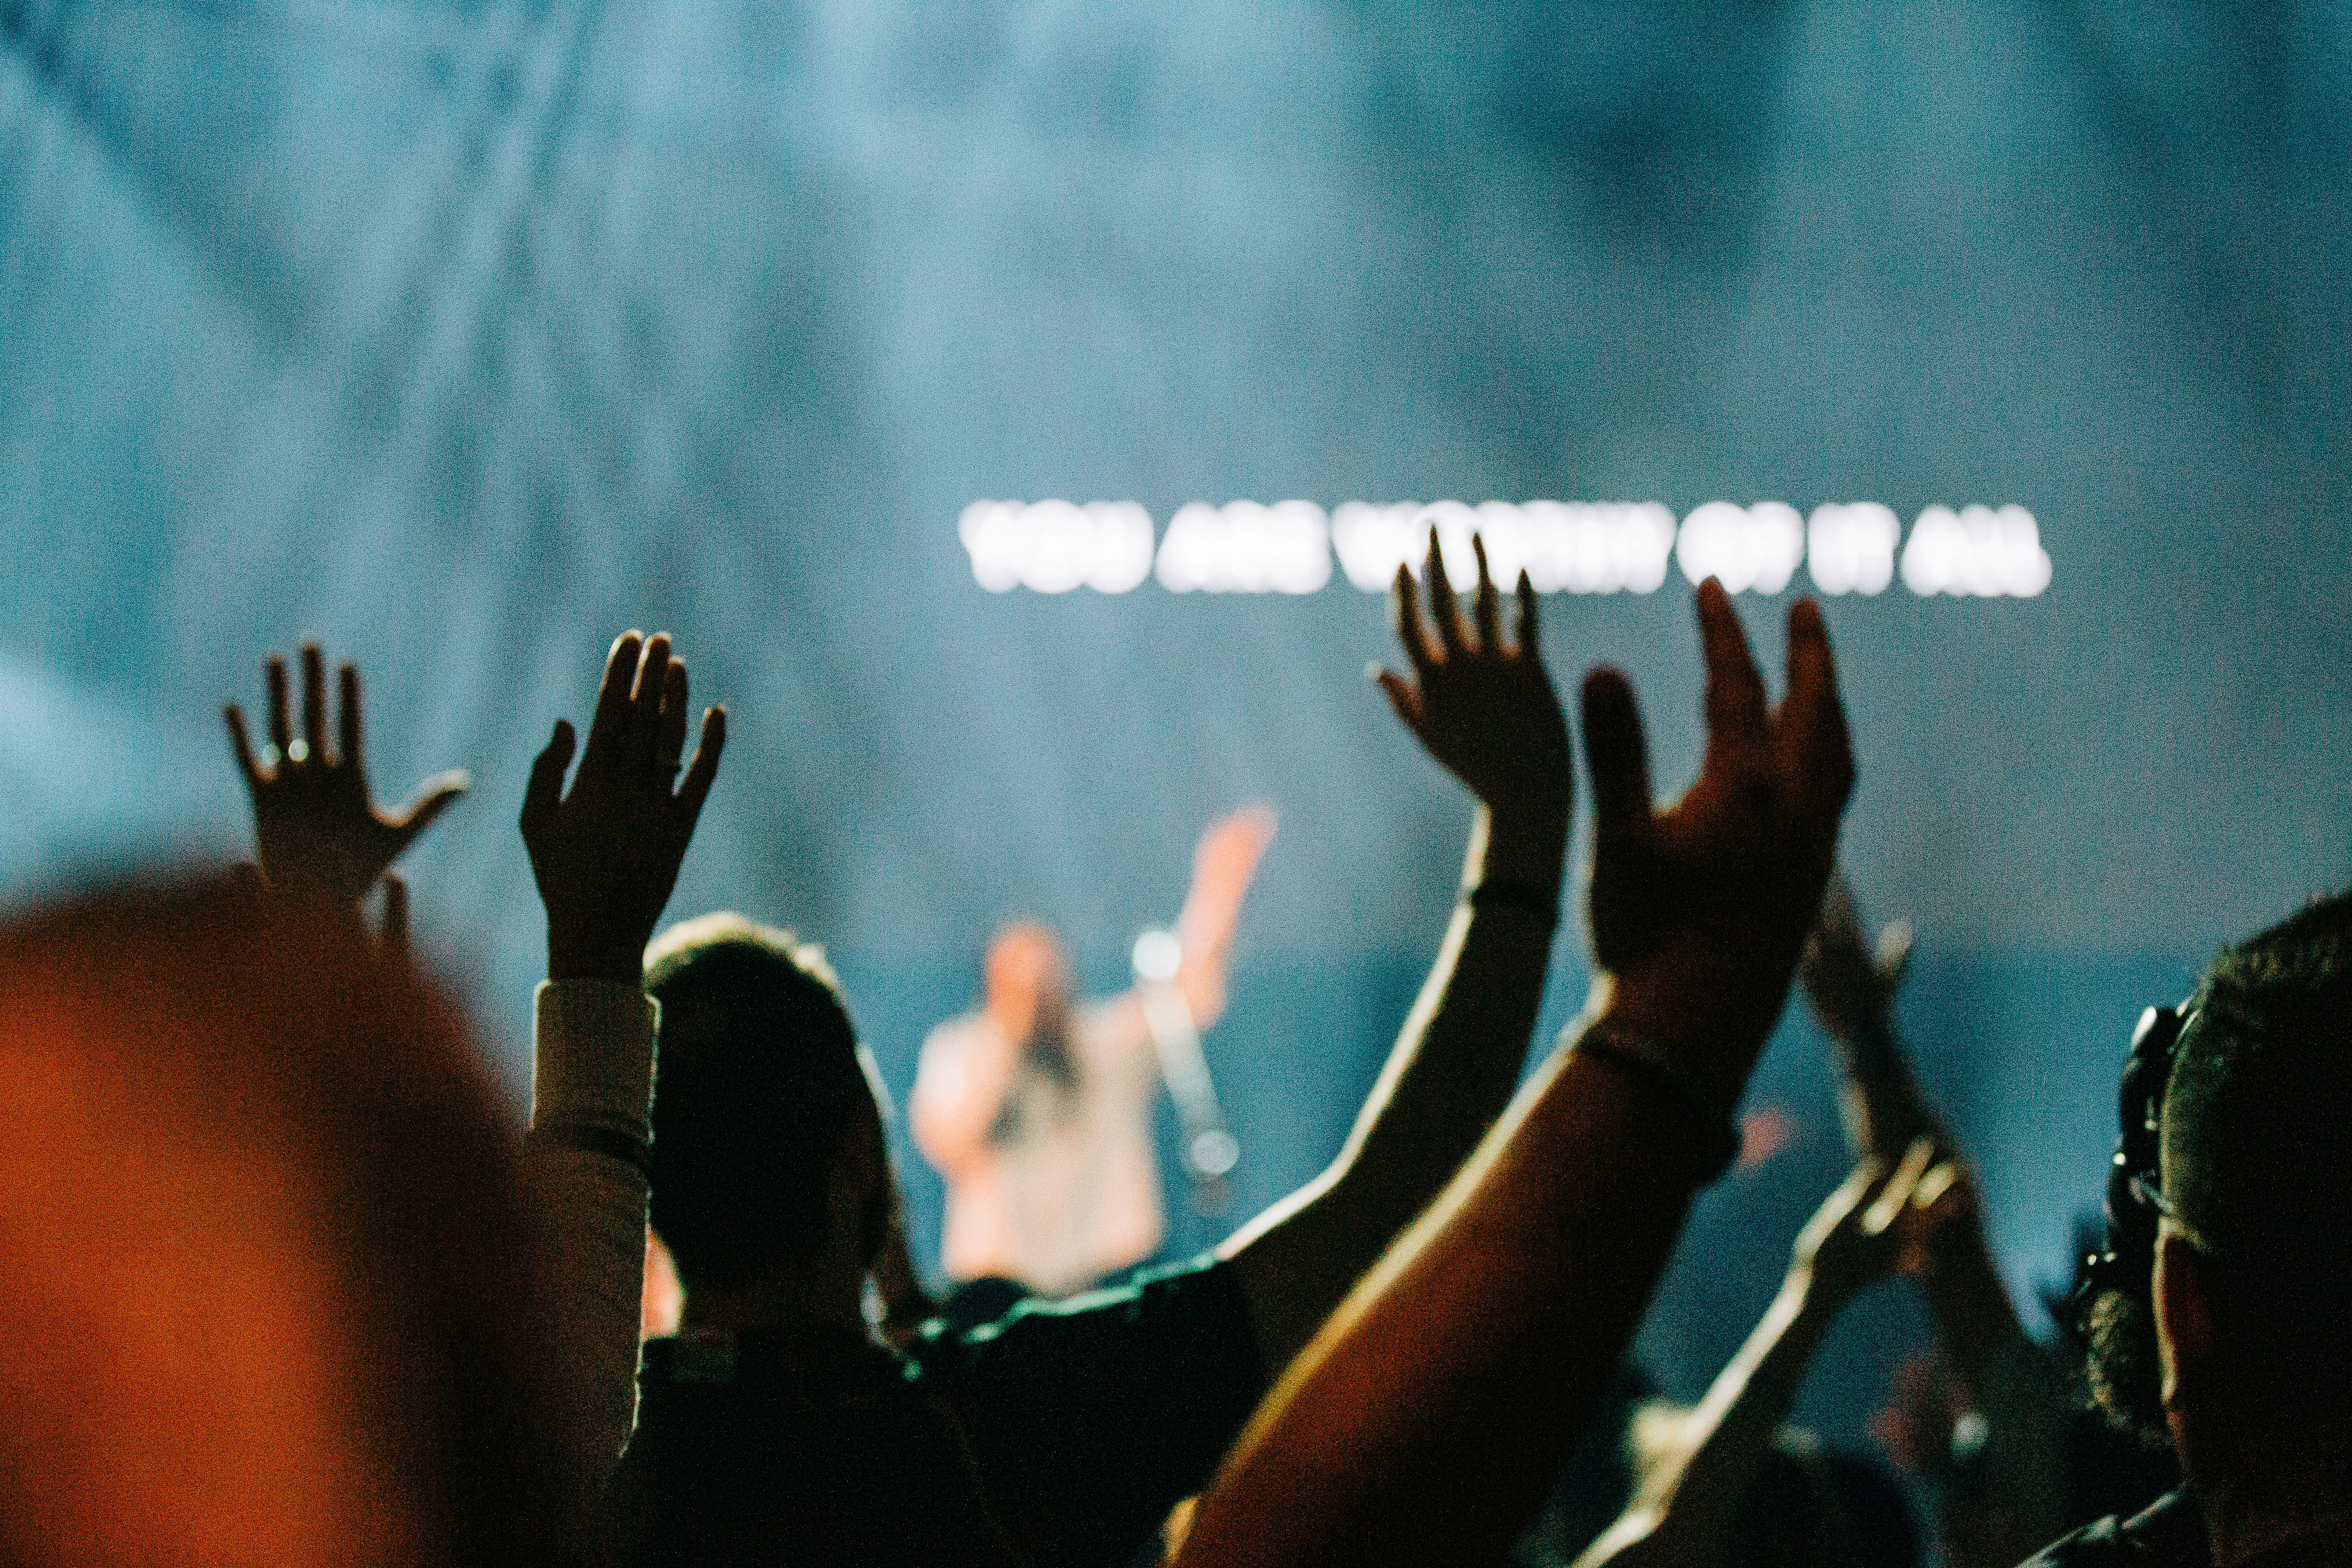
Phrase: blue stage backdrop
(462, 335)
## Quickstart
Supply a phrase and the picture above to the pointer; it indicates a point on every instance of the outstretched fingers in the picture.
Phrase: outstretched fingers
(1617, 754)
(1527, 594)
(671, 746)
(1736, 724)
(314, 703)
(240, 743)
(281, 726)
(348, 738)
(644, 703)
(1490, 603)
(1895, 1195)
(544, 794)
(608, 729)
(1815, 747)
(1444, 607)
(702, 772)
(1409, 628)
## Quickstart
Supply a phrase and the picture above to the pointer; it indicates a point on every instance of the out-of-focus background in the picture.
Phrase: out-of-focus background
(461, 336)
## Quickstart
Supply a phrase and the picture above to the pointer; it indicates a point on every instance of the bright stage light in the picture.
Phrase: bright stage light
(1244, 547)
(1851, 549)
(1051, 547)
(1976, 552)
(1563, 546)
(1744, 548)
(1575, 547)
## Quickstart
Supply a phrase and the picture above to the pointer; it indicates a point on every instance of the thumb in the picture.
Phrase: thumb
(545, 793)
(1404, 697)
(433, 796)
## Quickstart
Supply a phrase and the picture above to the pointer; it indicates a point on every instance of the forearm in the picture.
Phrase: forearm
(1426, 1420)
(1721, 1449)
(591, 1092)
(1884, 1110)
(1974, 1316)
(1449, 1076)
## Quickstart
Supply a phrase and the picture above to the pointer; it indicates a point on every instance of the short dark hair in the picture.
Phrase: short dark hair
(2257, 1137)
(2258, 1153)
(761, 1077)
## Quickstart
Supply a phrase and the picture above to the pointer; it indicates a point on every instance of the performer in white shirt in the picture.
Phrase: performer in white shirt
(1037, 1108)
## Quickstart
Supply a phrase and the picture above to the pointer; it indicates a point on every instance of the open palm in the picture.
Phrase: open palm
(318, 828)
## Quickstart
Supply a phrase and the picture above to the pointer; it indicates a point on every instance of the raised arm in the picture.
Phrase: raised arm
(1484, 707)
(1690, 1513)
(606, 858)
(1223, 863)
(315, 822)
(1851, 985)
(1430, 1414)
(2009, 1383)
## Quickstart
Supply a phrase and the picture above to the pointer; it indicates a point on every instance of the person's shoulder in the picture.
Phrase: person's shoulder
(2168, 1533)
(1194, 1298)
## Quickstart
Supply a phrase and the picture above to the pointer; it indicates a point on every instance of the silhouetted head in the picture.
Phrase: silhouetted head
(768, 1145)
(262, 1260)
(2244, 1331)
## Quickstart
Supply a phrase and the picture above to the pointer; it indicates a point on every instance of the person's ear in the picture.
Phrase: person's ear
(2184, 1321)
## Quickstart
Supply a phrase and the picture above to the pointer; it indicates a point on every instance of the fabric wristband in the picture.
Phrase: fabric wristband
(1634, 1056)
(1503, 893)
(604, 1141)
(593, 1056)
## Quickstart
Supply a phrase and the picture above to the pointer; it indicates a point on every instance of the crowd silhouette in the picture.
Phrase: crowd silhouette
(292, 1287)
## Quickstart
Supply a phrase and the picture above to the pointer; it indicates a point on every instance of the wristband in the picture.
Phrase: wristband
(1502, 893)
(604, 1141)
(1634, 1056)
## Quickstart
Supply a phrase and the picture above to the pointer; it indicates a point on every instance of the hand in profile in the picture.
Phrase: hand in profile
(1867, 1230)
(606, 857)
(1851, 986)
(318, 830)
(1483, 706)
(1701, 908)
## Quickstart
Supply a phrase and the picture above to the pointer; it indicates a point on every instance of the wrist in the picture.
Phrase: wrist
(1709, 1023)
(572, 958)
(1520, 843)
(1812, 1293)
(1605, 1037)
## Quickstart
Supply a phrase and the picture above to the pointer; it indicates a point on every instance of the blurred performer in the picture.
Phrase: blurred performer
(1038, 1109)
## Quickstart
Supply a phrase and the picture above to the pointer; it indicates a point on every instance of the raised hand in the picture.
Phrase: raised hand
(1869, 1229)
(606, 857)
(1224, 861)
(1222, 865)
(1850, 985)
(318, 830)
(1699, 909)
(1483, 706)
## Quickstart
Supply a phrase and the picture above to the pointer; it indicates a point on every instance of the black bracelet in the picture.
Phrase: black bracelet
(598, 1141)
(1718, 1136)
(1502, 893)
